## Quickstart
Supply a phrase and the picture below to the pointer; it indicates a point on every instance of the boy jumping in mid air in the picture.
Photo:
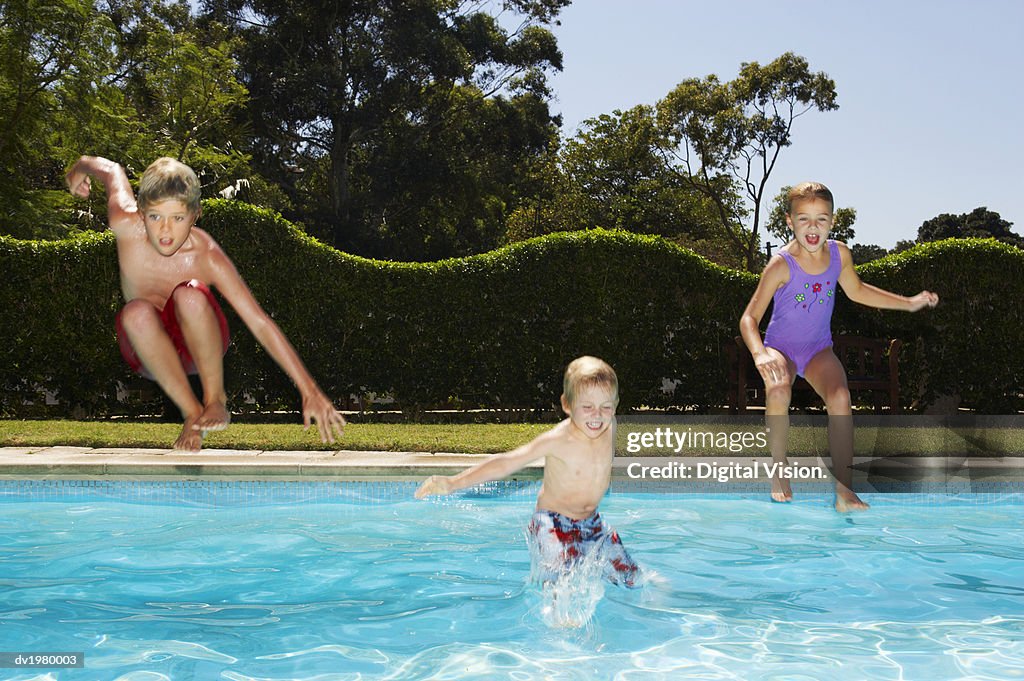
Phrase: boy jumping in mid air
(172, 325)
(801, 280)
(566, 526)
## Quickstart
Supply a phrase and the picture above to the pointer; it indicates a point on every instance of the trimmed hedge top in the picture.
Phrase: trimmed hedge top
(497, 329)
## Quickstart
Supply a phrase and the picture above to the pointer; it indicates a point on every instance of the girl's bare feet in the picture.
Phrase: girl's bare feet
(847, 500)
(781, 491)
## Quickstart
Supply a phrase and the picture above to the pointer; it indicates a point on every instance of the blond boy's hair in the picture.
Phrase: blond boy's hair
(584, 372)
(808, 191)
(167, 179)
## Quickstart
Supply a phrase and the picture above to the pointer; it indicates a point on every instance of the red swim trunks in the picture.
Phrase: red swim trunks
(170, 321)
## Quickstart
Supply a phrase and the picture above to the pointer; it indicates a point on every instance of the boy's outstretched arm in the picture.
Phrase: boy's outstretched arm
(316, 406)
(494, 468)
(872, 296)
(121, 208)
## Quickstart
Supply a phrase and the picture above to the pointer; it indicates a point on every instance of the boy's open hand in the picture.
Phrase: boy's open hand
(924, 299)
(435, 484)
(317, 407)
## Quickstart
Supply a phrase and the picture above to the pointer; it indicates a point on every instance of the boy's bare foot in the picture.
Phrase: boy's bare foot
(781, 491)
(215, 416)
(190, 440)
(847, 500)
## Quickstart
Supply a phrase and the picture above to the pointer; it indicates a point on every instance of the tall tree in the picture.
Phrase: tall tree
(334, 84)
(727, 137)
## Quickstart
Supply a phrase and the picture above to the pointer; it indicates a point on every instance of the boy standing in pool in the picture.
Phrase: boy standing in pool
(577, 453)
(801, 280)
(172, 325)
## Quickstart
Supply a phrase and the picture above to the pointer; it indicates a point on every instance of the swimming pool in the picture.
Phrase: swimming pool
(357, 581)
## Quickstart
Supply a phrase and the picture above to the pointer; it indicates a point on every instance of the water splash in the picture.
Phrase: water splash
(570, 590)
(569, 602)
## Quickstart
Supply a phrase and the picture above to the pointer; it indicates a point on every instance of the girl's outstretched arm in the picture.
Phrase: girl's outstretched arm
(872, 296)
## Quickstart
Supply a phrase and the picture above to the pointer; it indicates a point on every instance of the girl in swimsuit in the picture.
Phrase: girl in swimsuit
(801, 281)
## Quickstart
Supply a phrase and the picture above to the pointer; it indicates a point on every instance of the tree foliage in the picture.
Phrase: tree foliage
(396, 121)
(182, 84)
(399, 129)
(612, 174)
(47, 49)
(727, 136)
(980, 223)
(128, 79)
(863, 253)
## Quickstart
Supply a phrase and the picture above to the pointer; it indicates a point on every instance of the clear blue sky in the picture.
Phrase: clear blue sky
(930, 93)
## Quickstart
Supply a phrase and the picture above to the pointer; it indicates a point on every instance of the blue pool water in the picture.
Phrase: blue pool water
(356, 581)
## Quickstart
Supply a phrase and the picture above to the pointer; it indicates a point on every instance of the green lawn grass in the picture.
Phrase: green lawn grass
(470, 438)
(480, 438)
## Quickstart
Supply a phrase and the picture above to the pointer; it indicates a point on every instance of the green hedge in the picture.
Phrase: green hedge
(493, 330)
(970, 345)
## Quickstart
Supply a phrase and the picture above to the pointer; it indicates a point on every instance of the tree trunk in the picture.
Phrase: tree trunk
(341, 201)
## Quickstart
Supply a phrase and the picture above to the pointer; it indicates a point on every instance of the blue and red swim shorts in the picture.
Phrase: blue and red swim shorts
(561, 543)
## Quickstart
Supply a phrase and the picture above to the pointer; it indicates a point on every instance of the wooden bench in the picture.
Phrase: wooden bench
(872, 364)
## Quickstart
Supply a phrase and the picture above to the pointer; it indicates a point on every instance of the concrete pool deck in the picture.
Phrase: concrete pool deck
(133, 463)
(143, 463)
